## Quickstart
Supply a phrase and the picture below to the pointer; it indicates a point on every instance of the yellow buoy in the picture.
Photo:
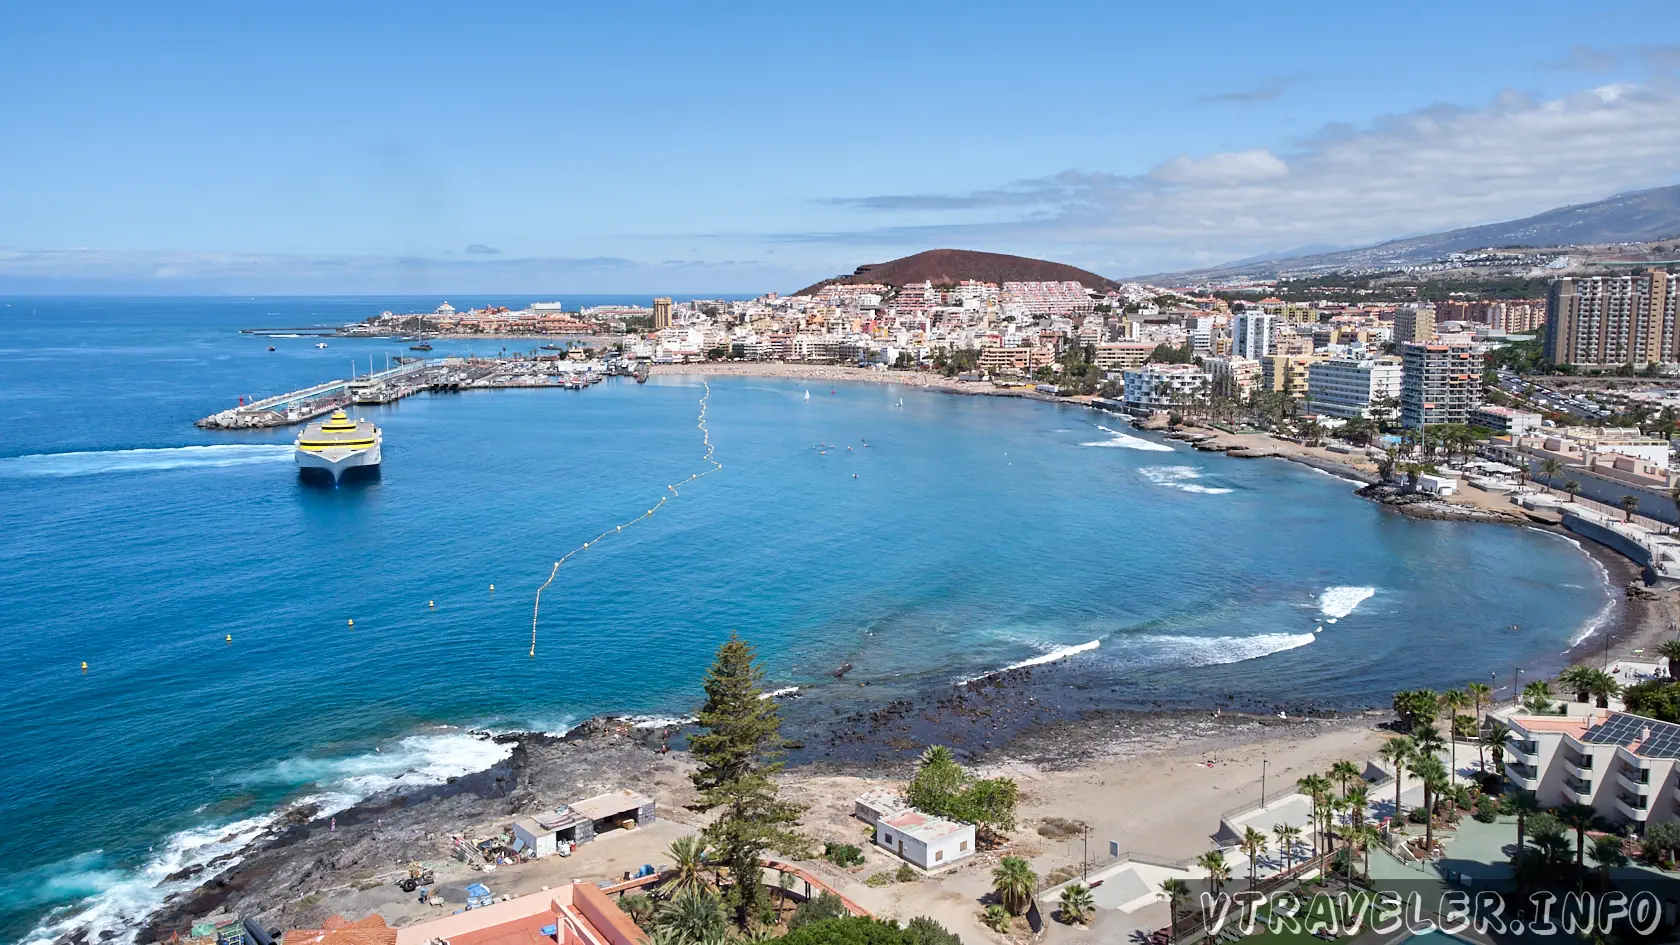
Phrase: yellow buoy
(350, 623)
(84, 666)
(431, 603)
(492, 587)
(230, 638)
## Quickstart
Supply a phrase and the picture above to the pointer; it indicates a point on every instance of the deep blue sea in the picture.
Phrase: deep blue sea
(969, 534)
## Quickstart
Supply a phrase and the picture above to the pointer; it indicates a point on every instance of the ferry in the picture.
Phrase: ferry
(338, 445)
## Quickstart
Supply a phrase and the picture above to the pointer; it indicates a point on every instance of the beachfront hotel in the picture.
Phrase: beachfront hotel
(1439, 383)
(1622, 765)
(1347, 387)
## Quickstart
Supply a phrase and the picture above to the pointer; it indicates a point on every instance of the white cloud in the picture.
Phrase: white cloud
(1435, 168)
(1232, 167)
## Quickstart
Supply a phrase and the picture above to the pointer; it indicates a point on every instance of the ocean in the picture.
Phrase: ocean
(924, 544)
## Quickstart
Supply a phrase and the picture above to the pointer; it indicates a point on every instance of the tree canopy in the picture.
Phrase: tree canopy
(941, 787)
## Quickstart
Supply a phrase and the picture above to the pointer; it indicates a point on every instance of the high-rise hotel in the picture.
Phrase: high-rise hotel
(1613, 320)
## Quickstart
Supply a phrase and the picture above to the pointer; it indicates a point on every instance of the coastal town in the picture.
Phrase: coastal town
(1521, 411)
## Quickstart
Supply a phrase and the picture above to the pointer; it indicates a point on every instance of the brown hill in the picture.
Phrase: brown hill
(948, 266)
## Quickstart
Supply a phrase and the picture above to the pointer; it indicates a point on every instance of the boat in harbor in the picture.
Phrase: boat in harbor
(422, 346)
(552, 348)
(337, 446)
(320, 344)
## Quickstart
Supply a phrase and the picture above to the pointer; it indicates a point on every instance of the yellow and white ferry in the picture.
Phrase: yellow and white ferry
(338, 444)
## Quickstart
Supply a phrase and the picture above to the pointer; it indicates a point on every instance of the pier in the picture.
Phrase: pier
(409, 378)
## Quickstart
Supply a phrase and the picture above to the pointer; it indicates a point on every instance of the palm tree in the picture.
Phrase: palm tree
(1573, 488)
(1428, 738)
(688, 858)
(1365, 835)
(1550, 468)
(1577, 679)
(638, 907)
(1287, 837)
(1670, 651)
(1521, 803)
(1398, 752)
(1480, 692)
(1219, 872)
(1493, 738)
(1454, 702)
(694, 916)
(1433, 774)
(1629, 504)
(1344, 771)
(1014, 882)
(1603, 687)
(1253, 843)
(1077, 905)
(1316, 787)
(1358, 799)
(1537, 696)
(1174, 890)
(1578, 817)
(1607, 853)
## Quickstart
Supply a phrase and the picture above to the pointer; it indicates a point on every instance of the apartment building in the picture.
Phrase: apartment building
(661, 314)
(1252, 334)
(1613, 320)
(1165, 386)
(1347, 387)
(1414, 322)
(1287, 373)
(1622, 765)
(1439, 383)
(1119, 355)
(1234, 376)
(1505, 420)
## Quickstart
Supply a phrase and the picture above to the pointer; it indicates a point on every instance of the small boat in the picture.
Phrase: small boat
(320, 344)
(552, 348)
(900, 402)
(422, 346)
(271, 347)
(807, 395)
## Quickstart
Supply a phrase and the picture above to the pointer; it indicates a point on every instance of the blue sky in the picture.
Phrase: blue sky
(754, 147)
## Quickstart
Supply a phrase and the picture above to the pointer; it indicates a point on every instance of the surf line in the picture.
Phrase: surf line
(706, 437)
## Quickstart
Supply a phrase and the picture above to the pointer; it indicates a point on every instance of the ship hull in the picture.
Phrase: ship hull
(336, 463)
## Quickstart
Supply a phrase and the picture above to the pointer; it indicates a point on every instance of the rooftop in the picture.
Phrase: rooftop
(923, 826)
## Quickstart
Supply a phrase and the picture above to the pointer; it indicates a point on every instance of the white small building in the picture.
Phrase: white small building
(924, 840)
(1436, 485)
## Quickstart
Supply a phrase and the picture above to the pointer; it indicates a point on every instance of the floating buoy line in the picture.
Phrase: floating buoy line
(706, 437)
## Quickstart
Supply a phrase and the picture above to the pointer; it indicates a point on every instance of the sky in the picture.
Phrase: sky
(302, 148)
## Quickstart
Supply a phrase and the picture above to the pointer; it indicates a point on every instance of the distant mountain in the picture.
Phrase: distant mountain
(1638, 217)
(946, 266)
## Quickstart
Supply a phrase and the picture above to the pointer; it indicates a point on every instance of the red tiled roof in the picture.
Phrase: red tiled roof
(338, 931)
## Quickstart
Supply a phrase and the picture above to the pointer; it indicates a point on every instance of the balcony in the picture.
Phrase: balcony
(1523, 776)
(1578, 789)
(1528, 751)
(1635, 781)
(1579, 765)
(1632, 807)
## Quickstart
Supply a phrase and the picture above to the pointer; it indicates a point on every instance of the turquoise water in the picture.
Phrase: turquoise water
(969, 534)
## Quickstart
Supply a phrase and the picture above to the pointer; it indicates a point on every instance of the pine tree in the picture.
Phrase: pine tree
(738, 750)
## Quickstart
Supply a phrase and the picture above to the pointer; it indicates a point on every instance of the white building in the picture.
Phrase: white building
(1621, 764)
(1346, 387)
(1165, 386)
(1251, 336)
(924, 840)
(1235, 376)
(1505, 420)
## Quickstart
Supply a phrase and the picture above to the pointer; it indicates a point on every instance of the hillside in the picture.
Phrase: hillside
(946, 266)
(1639, 217)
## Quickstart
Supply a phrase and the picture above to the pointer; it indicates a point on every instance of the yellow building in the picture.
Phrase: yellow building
(1287, 373)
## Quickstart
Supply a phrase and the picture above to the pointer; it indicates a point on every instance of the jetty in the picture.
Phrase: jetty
(451, 375)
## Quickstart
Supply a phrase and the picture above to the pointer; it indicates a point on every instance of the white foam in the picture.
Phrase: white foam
(1332, 475)
(1599, 620)
(1173, 650)
(121, 900)
(1050, 656)
(658, 721)
(780, 693)
(1127, 441)
(1337, 602)
(1180, 478)
(100, 462)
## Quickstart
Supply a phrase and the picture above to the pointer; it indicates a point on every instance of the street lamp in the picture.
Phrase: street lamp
(1263, 763)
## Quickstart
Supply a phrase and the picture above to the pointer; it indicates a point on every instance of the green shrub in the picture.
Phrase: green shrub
(1487, 809)
(906, 873)
(879, 879)
(825, 906)
(842, 854)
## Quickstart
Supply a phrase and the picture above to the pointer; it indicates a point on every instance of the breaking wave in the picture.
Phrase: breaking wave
(1181, 478)
(1169, 649)
(119, 900)
(783, 693)
(1338, 602)
(1049, 656)
(1119, 440)
(142, 460)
